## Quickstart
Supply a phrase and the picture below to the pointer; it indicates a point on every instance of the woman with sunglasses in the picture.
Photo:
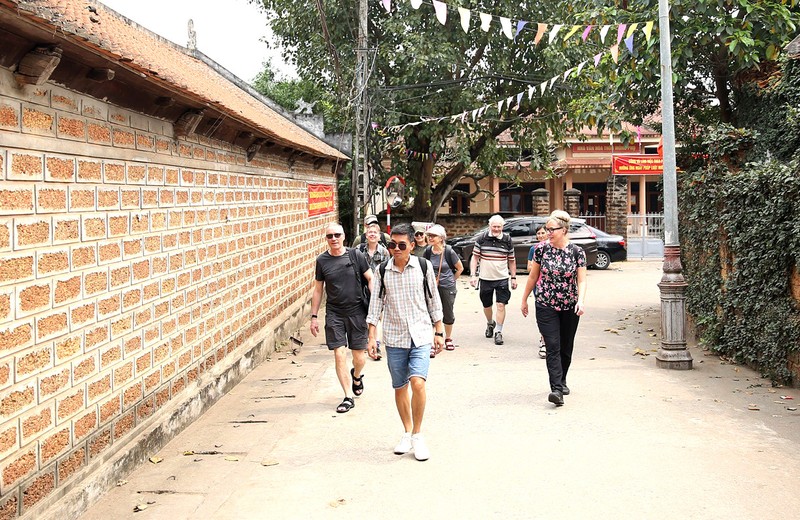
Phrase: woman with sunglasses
(559, 296)
(420, 243)
(448, 267)
(541, 237)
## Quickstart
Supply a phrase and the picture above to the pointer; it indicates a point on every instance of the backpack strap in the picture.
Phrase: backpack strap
(447, 254)
(423, 267)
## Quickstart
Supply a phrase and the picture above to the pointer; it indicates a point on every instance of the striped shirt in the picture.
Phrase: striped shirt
(493, 255)
(408, 314)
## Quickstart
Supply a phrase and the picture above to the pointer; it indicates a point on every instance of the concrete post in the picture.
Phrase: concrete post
(673, 353)
(541, 202)
(572, 202)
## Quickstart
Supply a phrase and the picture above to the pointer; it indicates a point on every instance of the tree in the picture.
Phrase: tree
(422, 68)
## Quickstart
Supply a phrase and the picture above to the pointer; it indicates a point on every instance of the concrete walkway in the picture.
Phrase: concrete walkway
(632, 441)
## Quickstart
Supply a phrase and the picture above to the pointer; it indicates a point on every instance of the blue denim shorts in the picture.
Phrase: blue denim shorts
(405, 363)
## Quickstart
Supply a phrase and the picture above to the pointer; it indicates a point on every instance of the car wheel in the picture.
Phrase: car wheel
(603, 260)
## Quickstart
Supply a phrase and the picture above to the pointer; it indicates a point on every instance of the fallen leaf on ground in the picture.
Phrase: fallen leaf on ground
(640, 352)
(187, 453)
(786, 397)
(121, 482)
(337, 503)
(269, 462)
(753, 407)
(139, 507)
(155, 460)
(791, 408)
(232, 458)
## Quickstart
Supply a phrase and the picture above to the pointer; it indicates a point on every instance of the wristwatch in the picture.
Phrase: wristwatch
(440, 334)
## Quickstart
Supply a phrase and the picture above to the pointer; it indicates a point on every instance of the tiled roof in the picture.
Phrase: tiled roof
(124, 41)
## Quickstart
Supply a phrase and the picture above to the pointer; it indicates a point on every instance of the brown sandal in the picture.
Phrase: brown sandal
(448, 344)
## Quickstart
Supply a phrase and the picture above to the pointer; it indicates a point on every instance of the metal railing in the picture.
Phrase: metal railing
(646, 236)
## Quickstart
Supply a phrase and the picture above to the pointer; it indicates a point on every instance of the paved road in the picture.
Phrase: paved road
(632, 441)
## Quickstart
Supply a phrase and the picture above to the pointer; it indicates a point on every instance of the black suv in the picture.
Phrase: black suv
(523, 235)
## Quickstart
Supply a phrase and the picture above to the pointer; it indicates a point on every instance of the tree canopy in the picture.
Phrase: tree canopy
(420, 68)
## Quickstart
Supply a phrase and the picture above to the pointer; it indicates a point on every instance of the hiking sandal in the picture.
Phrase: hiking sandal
(448, 344)
(358, 383)
(346, 405)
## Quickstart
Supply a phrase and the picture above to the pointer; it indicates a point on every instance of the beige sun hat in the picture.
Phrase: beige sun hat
(438, 230)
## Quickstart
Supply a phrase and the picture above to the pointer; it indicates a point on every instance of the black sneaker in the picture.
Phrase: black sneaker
(556, 398)
(498, 338)
(490, 330)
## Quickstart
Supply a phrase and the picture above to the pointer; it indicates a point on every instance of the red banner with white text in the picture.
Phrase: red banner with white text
(637, 164)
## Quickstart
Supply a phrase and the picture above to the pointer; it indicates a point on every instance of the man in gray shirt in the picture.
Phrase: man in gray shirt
(345, 317)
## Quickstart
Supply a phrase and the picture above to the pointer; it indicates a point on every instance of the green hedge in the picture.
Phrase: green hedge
(740, 241)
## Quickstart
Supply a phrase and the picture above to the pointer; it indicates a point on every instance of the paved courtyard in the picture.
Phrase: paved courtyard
(632, 441)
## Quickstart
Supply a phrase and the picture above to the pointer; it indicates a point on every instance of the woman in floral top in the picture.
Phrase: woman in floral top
(560, 293)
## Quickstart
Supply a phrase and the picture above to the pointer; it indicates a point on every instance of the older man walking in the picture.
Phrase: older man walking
(345, 317)
(405, 294)
(494, 255)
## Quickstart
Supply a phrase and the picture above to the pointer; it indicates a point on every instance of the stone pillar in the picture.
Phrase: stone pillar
(617, 206)
(572, 202)
(673, 353)
(541, 202)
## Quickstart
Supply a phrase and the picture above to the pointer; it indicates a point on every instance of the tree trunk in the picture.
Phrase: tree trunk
(721, 73)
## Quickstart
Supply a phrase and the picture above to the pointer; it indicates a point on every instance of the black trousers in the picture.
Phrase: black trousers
(558, 330)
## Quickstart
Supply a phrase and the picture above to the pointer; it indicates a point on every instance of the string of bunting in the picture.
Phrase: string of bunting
(512, 31)
(516, 99)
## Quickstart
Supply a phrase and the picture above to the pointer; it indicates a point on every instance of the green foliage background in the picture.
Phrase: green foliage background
(740, 230)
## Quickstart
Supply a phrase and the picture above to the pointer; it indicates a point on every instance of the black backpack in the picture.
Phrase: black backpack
(423, 266)
(448, 255)
(505, 238)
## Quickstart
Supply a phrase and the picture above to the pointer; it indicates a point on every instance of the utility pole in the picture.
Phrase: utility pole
(361, 111)
(673, 353)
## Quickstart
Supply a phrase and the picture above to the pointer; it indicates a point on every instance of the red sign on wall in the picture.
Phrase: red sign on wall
(320, 199)
(638, 164)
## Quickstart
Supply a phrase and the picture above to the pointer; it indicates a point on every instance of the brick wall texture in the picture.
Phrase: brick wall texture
(131, 265)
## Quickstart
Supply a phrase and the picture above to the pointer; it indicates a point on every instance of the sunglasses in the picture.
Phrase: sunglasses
(402, 246)
(419, 234)
(552, 229)
(331, 236)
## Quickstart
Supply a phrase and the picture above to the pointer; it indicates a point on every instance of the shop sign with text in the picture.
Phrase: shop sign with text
(638, 164)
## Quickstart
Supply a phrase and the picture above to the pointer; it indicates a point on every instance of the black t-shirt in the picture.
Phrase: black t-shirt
(342, 289)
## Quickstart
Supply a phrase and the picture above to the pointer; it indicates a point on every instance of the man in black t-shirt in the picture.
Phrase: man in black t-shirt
(345, 316)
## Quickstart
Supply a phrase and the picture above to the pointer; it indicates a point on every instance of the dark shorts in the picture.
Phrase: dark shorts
(489, 287)
(350, 331)
(448, 297)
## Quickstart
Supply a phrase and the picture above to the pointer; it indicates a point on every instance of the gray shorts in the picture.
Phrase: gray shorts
(448, 297)
(350, 331)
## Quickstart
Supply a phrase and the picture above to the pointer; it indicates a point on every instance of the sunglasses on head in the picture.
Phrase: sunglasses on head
(331, 236)
(402, 246)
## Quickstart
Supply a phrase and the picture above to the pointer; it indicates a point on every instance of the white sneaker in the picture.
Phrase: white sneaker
(421, 451)
(404, 446)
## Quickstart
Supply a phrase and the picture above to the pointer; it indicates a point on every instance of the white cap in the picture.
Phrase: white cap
(436, 229)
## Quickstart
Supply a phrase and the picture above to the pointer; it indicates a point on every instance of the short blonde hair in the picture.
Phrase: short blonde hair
(561, 216)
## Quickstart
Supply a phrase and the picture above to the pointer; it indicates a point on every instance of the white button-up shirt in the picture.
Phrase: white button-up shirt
(408, 313)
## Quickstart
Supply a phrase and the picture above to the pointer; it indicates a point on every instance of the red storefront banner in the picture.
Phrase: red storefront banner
(637, 164)
(320, 199)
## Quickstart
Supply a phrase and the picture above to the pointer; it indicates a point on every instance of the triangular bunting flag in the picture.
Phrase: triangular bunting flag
(597, 58)
(543, 86)
(540, 29)
(416, 3)
(500, 106)
(567, 73)
(615, 53)
(586, 32)
(580, 68)
(631, 29)
(509, 101)
(629, 43)
(620, 32)
(465, 14)
(530, 92)
(519, 97)
(571, 32)
(603, 32)
(441, 11)
(520, 25)
(648, 29)
(505, 24)
(553, 81)
(474, 114)
(486, 20)
(554, 32)
(463, 117)
(387, 4)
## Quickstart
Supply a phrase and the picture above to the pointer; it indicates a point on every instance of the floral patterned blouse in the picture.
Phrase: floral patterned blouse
(557, 287)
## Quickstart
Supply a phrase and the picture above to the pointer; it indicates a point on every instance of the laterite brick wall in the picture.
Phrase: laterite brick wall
(133, 269)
